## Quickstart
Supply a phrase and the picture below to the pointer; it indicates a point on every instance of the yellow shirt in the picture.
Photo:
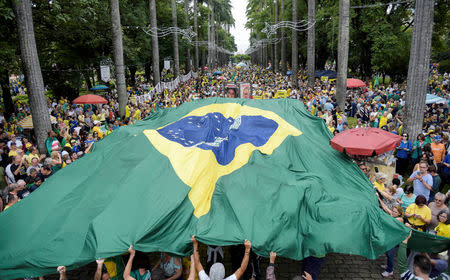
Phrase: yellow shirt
(383, 121)
(443, 230)
(379, 186)
(424, 211)
(30, 157)
(137, 114)
(101, 117)
(12, 153)
(99, 131)
(127, 111)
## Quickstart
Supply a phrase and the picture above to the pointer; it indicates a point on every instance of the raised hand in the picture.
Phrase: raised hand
(131, 250)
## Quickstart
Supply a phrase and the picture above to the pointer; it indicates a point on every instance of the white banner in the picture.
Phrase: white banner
(105, 72)
(171, 86)
(167, 64)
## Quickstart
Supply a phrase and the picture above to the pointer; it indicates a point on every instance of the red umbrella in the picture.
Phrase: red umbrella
(365, 141)
(354, 83)
(90, 99)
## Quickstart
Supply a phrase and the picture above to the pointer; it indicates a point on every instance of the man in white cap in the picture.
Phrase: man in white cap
(217, 271)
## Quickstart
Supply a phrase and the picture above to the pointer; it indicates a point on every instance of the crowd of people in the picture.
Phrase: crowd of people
(420, 202)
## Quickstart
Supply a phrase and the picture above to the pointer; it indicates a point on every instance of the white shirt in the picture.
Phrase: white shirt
(9, 174)
(18, 143)
(203, 276)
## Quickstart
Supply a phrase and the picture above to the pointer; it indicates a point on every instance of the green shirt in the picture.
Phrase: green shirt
(136, 275)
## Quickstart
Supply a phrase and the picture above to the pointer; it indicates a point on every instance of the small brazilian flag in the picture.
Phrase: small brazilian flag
(223, 169)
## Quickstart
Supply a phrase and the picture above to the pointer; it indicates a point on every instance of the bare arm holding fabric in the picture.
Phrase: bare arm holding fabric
(127, 271)
(192, 269)
(62, 273)
(198, 264)
(240, 271)
(385, 208)
(270, 272)
(98, 271)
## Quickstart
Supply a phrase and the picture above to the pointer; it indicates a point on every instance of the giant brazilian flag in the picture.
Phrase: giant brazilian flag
(223, 169)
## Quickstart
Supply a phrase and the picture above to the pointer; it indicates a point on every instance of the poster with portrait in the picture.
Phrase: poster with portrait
(245, 91)
(231, 90)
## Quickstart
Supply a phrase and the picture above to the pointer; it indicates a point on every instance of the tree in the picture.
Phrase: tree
(8, 57)
(196, 61)
(275, 49)
(176, 56)
(311, 41)
(188, 49)
(118, 56)
(294, 75)
(32, 70)
(341, 90)
(155, 48)
(212, 43)
(283, 42)
(419, 59)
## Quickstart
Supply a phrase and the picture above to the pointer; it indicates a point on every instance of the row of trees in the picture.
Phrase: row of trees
(73, 36)
(379, 37)
(63, 41)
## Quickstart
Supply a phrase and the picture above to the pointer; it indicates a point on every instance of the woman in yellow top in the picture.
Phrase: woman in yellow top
(443, 228)
(418, 213)
(383, 119)
(380, 178)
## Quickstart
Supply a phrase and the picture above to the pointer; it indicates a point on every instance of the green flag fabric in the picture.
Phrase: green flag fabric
(223, 169)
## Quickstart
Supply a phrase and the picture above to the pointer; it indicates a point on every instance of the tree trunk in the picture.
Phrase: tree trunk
(209, 58)
(196, 58)
(133, 70)
(147, 70)
(92, 73)
(283, 43)
(118, 56)
(272, 55)
(6, 93)
(294, 75)
(341, 90)
(275, 46)
(176, 57)
(204, 59)
(213, 38)
(311, 42)
(87, 78)
(32, 70)
(419, 59)
(155, 47)
(188, 49)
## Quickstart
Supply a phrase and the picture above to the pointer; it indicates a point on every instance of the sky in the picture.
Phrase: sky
(240, 33)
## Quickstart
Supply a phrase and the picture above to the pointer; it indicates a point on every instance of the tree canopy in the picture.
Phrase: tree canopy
(379, 36)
